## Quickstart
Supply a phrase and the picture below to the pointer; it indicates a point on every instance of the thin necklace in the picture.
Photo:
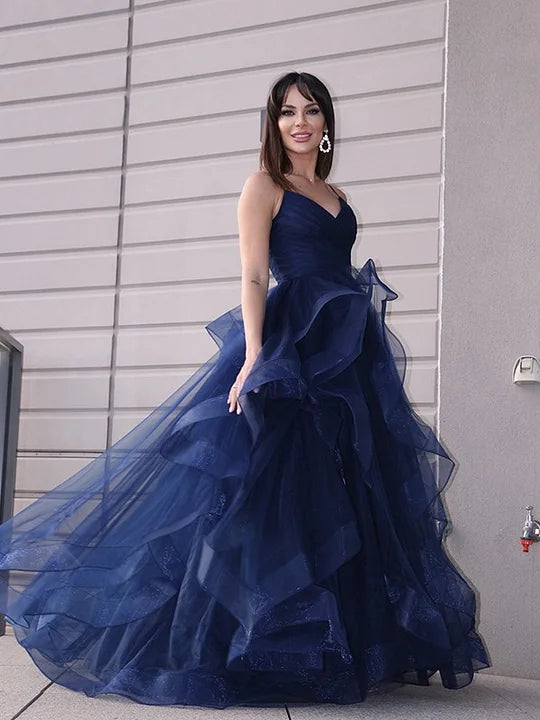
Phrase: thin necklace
(303, 176)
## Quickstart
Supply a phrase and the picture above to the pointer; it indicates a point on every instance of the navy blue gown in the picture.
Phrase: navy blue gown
(292, 553)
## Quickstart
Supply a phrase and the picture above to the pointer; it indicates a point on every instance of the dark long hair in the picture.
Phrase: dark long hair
(273, 157)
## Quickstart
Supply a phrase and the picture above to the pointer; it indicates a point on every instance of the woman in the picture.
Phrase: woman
(272, 533)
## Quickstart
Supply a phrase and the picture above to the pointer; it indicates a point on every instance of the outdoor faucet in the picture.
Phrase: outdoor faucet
(531, 530)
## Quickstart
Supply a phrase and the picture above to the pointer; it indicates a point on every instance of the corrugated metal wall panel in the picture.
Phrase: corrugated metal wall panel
(62, 95)
(199, 79)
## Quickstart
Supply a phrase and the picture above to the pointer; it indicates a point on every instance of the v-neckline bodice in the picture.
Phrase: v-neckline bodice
(342, 203)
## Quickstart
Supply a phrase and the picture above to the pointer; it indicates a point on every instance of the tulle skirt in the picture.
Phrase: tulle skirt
(292, 553)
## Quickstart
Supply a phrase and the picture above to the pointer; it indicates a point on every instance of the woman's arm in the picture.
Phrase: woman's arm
(254, 213)
(255, 208)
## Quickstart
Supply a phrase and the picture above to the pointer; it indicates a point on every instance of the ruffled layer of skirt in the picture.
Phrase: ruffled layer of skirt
(292, 553)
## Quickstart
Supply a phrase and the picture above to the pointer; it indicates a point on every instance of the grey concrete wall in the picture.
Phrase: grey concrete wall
(491, 314)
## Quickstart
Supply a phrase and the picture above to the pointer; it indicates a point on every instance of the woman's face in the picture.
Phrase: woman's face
(303, 118)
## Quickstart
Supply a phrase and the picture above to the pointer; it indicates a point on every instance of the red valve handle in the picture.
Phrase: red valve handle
(525, 544)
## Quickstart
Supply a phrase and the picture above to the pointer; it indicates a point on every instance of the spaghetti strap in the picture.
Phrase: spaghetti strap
(336, 193)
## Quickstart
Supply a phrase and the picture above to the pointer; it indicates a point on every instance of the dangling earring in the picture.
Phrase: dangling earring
(324, 139)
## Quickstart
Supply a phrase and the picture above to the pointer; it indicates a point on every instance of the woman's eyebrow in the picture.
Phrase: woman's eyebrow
(306, 105)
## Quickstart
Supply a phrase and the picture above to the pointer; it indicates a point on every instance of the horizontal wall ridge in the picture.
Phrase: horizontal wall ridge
(61, 96)
(434, 131)
(72, 134)
(187, 119)
(61, 58)
(435, 43)
(287, 22)
(278, 64)
(63, 20)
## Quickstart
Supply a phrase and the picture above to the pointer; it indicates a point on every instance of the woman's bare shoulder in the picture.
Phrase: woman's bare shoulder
(260, 181)
(261, 187)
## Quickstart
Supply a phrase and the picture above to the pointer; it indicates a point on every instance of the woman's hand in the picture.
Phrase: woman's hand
(234, 392)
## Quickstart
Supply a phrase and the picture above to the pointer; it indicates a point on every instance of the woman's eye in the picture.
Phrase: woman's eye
(314, 110)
